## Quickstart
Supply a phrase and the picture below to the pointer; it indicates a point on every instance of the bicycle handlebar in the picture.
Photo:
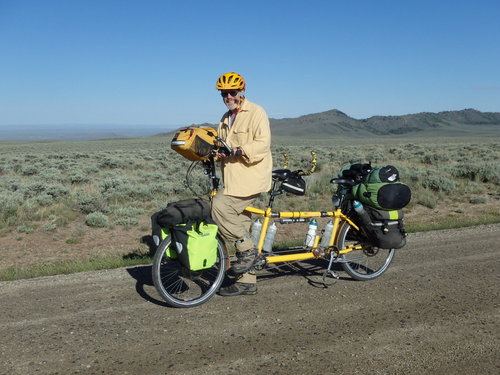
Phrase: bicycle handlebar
(311, 169)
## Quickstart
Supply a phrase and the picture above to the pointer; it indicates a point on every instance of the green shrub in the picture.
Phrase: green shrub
(77, 177)
(480, 171)
(110, 184)
(34, 189)
(478, 200)
(25, 228)
(435, 158)
(88, 203)
(50, 174)
(440, 183)
(44, 200)
(97, 220)
(30, 170)
(9, 204)
(427, 200)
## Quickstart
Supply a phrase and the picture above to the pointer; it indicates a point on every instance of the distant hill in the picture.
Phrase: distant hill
(337, 123)
(333, 123)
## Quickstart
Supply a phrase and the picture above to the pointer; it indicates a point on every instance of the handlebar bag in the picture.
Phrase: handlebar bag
(194, 142)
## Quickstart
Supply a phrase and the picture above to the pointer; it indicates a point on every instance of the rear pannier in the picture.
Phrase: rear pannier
(386, 229)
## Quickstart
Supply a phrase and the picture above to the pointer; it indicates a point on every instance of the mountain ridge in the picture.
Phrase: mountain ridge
(327, 124)
(335, 122)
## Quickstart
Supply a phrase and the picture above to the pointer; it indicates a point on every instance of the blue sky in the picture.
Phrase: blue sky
(156, 62)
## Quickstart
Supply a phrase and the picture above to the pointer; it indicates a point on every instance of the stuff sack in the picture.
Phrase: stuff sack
(380, 188)
(355, 171)
(387, 173)
(383, 195)
(386, 229)
(194, 143)
(184, 211)
(194, 245)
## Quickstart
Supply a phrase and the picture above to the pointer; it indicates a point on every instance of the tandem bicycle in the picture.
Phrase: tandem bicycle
(346, 245)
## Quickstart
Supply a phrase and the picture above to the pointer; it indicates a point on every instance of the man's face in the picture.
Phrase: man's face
(231, 98)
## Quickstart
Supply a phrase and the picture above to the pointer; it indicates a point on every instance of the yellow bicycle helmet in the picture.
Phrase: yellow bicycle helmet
(230, 81)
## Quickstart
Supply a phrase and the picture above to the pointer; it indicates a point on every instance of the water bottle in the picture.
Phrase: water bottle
(362, 214)
(255, 231)
(268, 241)
(311, 233)
(327, 233)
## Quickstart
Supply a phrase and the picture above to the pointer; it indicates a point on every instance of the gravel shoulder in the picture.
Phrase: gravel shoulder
(435, 311)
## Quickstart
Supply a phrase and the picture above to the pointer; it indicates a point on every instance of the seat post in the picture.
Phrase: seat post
(273, 192)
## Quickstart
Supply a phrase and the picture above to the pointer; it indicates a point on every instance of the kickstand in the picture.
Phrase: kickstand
(329, 273)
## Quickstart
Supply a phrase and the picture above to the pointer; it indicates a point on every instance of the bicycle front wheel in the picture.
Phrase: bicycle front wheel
(367, 263)
(181, 287)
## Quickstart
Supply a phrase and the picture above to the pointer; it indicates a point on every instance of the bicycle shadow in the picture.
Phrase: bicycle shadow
(312, 270)
(143, 275)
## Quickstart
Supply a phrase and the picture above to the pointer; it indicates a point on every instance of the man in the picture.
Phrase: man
(246, 173)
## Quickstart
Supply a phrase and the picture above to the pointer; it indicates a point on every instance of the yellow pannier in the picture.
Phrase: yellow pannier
(194, 142)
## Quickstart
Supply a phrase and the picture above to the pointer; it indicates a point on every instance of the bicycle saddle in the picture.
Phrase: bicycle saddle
(281, 174)
(343, 181)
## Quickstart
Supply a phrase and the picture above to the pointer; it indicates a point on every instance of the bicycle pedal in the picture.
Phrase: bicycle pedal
(260, 263)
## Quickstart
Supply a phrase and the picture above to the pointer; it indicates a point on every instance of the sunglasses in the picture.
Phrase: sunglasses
(226, 93)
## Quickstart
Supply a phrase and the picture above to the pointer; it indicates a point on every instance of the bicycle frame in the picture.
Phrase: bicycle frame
(309, 253)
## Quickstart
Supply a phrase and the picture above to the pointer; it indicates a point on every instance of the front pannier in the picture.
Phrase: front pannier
(192, 230)
(194, 143)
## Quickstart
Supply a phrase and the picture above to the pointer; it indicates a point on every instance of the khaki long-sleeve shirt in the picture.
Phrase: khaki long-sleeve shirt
(250, 174)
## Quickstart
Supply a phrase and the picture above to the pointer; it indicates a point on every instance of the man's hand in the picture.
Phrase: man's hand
(237, 151)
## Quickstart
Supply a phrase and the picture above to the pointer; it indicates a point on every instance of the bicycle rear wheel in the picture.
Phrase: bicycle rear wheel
(367, 263)
(181, 287)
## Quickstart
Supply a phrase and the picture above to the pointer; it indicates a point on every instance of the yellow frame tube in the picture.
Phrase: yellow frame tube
(337, 216)
(289, 257)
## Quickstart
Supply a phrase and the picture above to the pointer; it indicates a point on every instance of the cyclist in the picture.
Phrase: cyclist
(246, 173)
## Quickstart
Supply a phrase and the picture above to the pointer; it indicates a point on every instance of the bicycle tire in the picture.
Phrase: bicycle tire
(180, 287)
(367, 263)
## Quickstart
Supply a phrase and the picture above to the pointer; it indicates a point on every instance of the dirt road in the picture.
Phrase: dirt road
(435, 311)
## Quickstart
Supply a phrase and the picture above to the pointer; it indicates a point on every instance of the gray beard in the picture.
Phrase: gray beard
(232, 106)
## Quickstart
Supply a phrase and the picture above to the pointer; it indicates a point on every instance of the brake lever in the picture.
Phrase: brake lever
(226, 150)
